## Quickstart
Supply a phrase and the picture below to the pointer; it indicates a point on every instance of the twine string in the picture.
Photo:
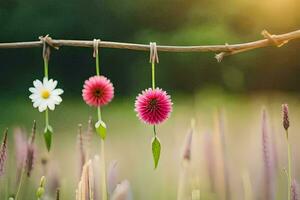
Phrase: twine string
(273, 39)
(153, 53)
(96, 45)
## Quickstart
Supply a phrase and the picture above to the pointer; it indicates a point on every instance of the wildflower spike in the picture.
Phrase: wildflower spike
(3, 152)
(285, 116)
(122, 191)
(188, 145)
(33, 132)
(295, 191)
(41, 189)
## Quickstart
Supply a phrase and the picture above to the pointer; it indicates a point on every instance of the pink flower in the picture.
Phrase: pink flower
(153, 106)
(97, 91)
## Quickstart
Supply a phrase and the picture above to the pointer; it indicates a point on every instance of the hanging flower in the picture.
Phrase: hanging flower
(97, 91)
(44, 95)
(153, 106)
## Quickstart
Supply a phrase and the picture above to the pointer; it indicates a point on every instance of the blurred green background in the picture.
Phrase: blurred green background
(171, 22)
(240, 84)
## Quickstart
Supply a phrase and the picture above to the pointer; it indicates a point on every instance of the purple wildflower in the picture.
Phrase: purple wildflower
(3, 153)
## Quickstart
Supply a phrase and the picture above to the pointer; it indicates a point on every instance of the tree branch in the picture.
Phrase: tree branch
(222, 50)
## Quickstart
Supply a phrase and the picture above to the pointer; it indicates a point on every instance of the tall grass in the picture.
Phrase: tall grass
(228, 155)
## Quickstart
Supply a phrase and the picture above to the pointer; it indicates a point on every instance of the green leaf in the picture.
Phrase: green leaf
(156, 147)
(48, 136)
(101, 129)
(40, 192)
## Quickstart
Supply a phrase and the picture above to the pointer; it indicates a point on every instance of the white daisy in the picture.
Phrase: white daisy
(44, 95)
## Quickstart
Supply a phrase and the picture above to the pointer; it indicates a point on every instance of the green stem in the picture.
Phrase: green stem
(289, 166)
(47, 117)
(154, 131)
(20, 183)
(103, 169)
(45, 67)
(153, 75)
(6, 190)
(97, 64)
(99, 113)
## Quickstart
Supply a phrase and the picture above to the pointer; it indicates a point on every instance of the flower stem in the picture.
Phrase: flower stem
(103, 169)
(99, 113)
(153, 75)
(20, 183)
(47, 117)
(97, 64)
(45, 67)
(154, 131)
(289, 166)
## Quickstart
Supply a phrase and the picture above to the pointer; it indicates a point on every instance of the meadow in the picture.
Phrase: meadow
(229, 157)
(227, 137)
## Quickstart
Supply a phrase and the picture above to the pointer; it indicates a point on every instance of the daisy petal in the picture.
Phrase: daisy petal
(33, 90)
(57, 92)
(45, 81)
(36, 103)
(42, 100)
(51, 105)
(42, 107)
(57, 99)
(52, 85)
(34, 96)
(37, 84)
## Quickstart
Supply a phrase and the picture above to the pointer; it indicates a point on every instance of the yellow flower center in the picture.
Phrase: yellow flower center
(45, 94)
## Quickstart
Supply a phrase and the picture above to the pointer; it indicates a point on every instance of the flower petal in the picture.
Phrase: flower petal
(57, 92)
(37, 103)
(34, 96)
(51, 105)
(53, 85)
(57, 99)
(45, 81)
(42, 106)
(37, 84)
(33, 90)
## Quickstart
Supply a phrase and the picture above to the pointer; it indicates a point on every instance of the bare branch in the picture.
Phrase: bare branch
(222, 50)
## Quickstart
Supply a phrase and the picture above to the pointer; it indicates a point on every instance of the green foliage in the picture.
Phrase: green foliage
(48, 136)
(101, 129)
(156, 148)
(192, 22)
(41, 189)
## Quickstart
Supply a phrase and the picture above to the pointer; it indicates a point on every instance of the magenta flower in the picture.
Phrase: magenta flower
(97, 91)
(153, 106)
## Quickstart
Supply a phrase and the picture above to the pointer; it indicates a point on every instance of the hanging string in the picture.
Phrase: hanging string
(152, 59)
(47, 43)
(96, 56)
(46, 58)
(103, 168)
(273, 39)
(46, 54)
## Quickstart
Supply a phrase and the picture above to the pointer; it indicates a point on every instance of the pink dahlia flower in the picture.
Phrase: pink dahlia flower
(153, 106)
(97, 91)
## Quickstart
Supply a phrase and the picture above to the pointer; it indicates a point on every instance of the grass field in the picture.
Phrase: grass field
(128, 142)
